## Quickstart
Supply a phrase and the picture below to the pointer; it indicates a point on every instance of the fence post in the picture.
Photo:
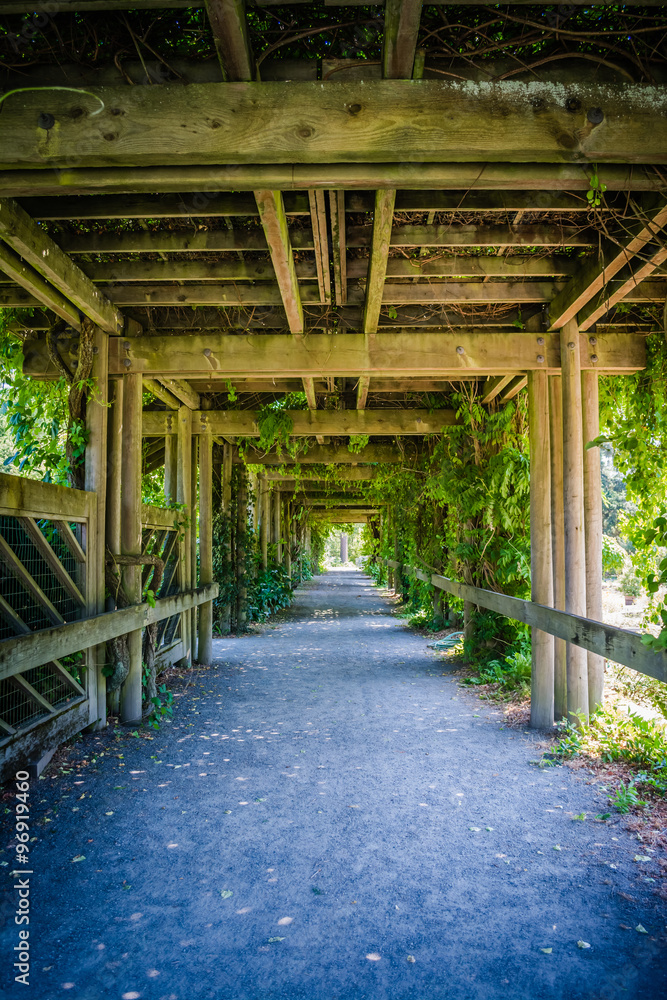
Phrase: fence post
(263, 503)
(573, 500)
(96, 482)
(226, 488)
(542, 680)
(205, 636)
(558, 537)
(277, 535)
(241, 542)
(130, 537)
(593, 528)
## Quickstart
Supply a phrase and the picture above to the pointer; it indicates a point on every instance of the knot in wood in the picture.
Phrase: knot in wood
(571, 345)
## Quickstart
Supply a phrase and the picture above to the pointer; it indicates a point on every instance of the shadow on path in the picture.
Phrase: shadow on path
(326, 807)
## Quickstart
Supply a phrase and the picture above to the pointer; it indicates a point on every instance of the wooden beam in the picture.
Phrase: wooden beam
(330, 455)
(274, 221)
(542, 674)
(493, 386)
(131, 537)
(25, 276)
(205, 634)
(339, 244)
(166, 241)
(230, 33)
(142, 271)
(472, 266)
(593, 277)
(26, 238)
(377, 267)
(385, 120)
(592, 527)
(471, 179)
(445, 292)
(558, 538)
(318, 220)
(630, 280)
(362, 391)
(182, 391)
(308, 423)
(354, 473)
(473, 235)
(513, 388)
(161, 393)
(349, 355)
(401, 26)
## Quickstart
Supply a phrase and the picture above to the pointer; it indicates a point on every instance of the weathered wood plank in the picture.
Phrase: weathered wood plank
(401, 27)
(159, 391)
(442, 291)
(29, 498)
(629, 279)
(23, 652)
(471, 266)
(71, 541)
(164, 241)
(308, 423)
(363, 386)
(493, 386)
(328, 455)
(318, 221)
(182, 391)
(141, 271)
(337, 200)
(379, 121)
(428, 354)
(470, 236)
(31, 743)
(38, 250)
(234, 296)
(158, 517)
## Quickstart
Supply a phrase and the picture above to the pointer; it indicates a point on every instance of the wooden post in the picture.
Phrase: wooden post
(194, 470)
(558, 537)
(264, 512)
(241, 542)
(226, 482)
(542, 681)
(96, 482)
(114, 472)
(593, 528)
(287, 533)
(130, 537)
(170, 467)
(184, 496)
(573, 501)
(277, 526)
(343, 547)
(205, 637)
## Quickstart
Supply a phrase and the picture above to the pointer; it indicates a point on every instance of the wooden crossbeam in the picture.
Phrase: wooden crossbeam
(493, 386)
(472, 235)
(362, 391)
(377, 267)
(230, 32)
(231, 295)
(310, 123)
(513, 388)
(329, 455)
(168, 206)
(353, 473)
(26, 238)
(141, 270)
(308, 423)
(592, 278)
(166, 241)
(339, 244)
(477, 178)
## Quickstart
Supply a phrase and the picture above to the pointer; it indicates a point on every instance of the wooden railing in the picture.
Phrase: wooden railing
(616, 644)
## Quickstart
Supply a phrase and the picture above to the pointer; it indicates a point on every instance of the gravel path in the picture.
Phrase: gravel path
(347, 825)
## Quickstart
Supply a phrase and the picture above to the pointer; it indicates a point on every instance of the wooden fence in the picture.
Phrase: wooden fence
(49, 632)
(616, 644)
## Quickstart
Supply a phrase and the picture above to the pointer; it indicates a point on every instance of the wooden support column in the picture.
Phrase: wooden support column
(277, 525)
(287, 548)
(401, 26)
(542, 682)
(114, 470)
(593, 527)
(130, 538)
(194, 472)
(226, 498)
(264, 520)
(205, 637)
(96, 482)
(573, 500)
(230, 32)
(170, 467)
(558, 537)
(184, 496)
(241, 542)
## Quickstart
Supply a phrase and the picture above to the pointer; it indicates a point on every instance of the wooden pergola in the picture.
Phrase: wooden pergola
(362, 235)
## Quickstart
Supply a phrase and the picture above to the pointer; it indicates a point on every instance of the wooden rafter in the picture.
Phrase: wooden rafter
(328, 454)
(339, 240)
(182, 391)
(377, 266)
(39, 251)
(161, 393)
(230, 31)
(34, 283)
(629, 281)
(274, 221)
(592, 278)
(493, 386)
(318, 218)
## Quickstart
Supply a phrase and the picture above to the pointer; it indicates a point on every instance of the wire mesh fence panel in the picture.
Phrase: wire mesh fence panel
(17, 708)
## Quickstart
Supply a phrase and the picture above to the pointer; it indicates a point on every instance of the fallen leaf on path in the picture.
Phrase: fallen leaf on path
(274, 939)
(583, 944)
(79, 857)
(475, 829)
(642, 857)
(547, 951)
(641, 929)
(410, 958)
(373, 956)
(226, 893)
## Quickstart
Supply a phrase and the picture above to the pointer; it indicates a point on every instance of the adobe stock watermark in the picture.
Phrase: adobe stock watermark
(21, 875)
